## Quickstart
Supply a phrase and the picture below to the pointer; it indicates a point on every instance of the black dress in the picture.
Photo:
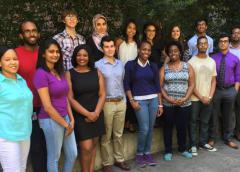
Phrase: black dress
(85, 90)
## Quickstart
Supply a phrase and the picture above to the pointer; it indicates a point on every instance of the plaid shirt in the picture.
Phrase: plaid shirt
(67, 44)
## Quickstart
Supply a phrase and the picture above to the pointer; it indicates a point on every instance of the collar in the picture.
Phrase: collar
(65, 34)
(105, 61)
(143, 65)
(2, 77)
(231, 46)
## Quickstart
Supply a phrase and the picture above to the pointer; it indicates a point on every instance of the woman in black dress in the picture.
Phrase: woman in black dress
(87, 97)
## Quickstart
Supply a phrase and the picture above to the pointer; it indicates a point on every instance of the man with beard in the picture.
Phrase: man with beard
(235, 49)
(28, 55)
(228, 79)
(201, 28)
(205, 84)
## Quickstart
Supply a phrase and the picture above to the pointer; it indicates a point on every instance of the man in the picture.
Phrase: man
(201, 27)
(69, 38)
(228, 78)
(205, 83)
(28, 55)
(114, 108)
(235, 49)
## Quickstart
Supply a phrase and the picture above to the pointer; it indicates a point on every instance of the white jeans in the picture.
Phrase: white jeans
(13, 155)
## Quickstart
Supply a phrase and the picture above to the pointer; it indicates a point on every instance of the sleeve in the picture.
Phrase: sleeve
(190, 47)
(58, 39)
(40, 79)
(237, 71)
(127, 78)
(214, 69)
(211, 46)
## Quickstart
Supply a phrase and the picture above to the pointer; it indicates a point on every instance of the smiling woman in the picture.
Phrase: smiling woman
(16, 110)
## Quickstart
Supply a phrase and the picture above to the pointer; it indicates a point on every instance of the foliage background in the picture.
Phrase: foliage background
(221, 14)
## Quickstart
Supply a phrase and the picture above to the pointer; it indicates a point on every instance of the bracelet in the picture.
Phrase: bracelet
(131, 100)
(161, 106)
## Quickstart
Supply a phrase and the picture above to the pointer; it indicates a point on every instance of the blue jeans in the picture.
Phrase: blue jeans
(146, 116)
(55, 139)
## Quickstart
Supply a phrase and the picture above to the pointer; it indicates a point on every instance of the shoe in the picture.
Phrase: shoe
(140, 161)
(167, 157)
(231, 144)
(194, 151)
(149, 160)
(187, 154)
(122, 165)
(208, 147)
(107, 168)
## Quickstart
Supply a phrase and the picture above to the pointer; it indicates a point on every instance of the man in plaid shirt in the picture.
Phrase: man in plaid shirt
(69, 38)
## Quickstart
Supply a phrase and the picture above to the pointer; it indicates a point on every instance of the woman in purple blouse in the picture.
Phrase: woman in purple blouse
(55, 117)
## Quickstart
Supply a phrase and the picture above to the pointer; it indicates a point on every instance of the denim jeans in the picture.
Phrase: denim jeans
(146, 116)
(199, 121)
(55, 139)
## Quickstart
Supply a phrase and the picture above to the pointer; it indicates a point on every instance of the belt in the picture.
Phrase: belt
(224, 88)
(114, 99)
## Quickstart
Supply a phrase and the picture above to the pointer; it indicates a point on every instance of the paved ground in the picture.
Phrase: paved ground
(224, 160)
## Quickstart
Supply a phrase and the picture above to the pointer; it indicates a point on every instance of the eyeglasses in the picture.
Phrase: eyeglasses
(224, 41)
(70, 16)
(28, 32)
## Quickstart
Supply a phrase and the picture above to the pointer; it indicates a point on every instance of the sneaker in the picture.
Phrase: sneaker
(208, 147)
(167, 157)
(194, 151)
(149, 160)
(140, 161)
(187, 154)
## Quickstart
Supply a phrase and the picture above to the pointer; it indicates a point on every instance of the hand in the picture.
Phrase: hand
(68, 130)
(72, 123)
(172, 101)
(92, 117)
(135, 105)
(160, 111)
(205, 100)
(181, 101)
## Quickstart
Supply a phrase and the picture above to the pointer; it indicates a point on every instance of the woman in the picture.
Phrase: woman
(128, 48)
(16, 111)
(177, 84)
(128, 51)
(99, 31)
(55, 116)
(176, 35)
(87, 97)
(141, 83)
(151, 34)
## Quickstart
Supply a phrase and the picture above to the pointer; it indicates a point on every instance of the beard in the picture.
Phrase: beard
(30, 42)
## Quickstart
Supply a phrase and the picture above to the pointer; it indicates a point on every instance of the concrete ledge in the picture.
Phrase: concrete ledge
(130, 145)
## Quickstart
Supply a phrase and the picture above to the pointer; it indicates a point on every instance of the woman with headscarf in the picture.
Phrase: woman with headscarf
(99, 31)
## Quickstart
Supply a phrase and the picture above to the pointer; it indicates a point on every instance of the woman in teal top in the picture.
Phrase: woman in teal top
(15, 113)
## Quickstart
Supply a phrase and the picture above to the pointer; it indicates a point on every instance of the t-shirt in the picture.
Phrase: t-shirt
(58, 91)
(204, 69)
(15, 109)
(27, 68)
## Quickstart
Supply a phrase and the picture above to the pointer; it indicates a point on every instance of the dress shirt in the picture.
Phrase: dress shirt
(232, 68)
(68, 44)
(113, 75)
(192, 44)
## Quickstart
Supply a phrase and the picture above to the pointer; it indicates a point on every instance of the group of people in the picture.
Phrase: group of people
(72, 93)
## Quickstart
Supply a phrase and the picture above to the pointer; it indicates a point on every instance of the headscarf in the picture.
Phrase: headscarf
(96, 36)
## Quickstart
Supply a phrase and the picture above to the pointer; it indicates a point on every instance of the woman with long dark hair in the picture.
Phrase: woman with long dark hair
(55, 117)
